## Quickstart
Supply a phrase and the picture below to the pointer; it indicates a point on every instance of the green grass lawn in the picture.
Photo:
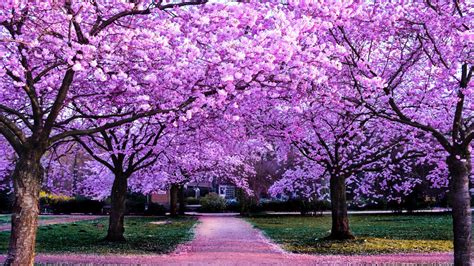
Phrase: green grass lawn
(5, 218)
(375, 234)
(87, 236)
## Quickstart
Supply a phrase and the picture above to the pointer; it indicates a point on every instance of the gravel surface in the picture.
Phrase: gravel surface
(226, 240)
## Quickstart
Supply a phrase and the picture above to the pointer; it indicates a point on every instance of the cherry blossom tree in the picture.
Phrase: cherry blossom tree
(195, 154)
(348, 146)
(341, 139)
(412, 65)
(83, 70)
(301, 181)
(64, 62)
(7, 161)
(46, 49)
(124, 151)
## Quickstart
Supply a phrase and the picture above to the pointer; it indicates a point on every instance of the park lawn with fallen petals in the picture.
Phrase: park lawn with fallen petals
(375, 234)
(6, 218)
(143, 236)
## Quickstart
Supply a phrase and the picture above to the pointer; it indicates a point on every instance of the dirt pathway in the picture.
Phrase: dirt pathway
(59, 220)
(224, 240)
(220, 235)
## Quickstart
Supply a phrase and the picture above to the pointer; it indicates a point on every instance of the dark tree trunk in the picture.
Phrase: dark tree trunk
(182, 203)
(27, 178)
(174, 200)
(459, 171)
(340, 221)
(118, 208)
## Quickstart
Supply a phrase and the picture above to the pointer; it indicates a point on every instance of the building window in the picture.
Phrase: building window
(227, 191)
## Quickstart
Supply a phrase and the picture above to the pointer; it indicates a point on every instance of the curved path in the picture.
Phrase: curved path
(226, 240)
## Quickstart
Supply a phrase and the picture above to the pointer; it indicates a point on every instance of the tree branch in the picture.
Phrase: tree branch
(79, 132)
(18, 114)
(13, 128)
(93, 154)
(59, 101)
(11, 138)
(190, 3)
(96, 29)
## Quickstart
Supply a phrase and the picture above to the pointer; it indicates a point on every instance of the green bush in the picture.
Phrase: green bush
(68, 205)
(314, 207)
(155, 209)
(6, 201)
(192, 201)
(291, 205)
(233, 206)
(213, 203)
(135, 203)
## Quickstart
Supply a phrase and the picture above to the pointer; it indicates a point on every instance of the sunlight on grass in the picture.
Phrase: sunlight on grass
(375, 233)
(371, 246)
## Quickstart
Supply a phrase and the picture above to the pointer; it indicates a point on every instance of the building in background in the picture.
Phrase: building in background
(196, 190)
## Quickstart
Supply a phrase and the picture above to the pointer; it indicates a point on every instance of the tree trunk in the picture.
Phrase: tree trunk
(27, 178)
(117, 211)
(182, 203)
(174, 200)
(459, 171)
(340, 221)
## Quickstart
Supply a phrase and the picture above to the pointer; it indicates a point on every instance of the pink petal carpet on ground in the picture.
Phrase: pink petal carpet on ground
(227, 240)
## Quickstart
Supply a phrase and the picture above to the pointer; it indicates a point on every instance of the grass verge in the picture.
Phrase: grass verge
(142, 236)
(376, 234)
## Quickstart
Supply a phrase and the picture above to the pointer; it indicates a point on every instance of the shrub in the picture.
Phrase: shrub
(314, 207)
(155, 209)
(295, 205)
(233, 206)
(68, 205)
(192, 201)
(213, 203)
(6, 201)
(135, 203)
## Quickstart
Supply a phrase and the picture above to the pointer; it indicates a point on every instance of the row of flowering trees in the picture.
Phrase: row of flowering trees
(157, 92)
